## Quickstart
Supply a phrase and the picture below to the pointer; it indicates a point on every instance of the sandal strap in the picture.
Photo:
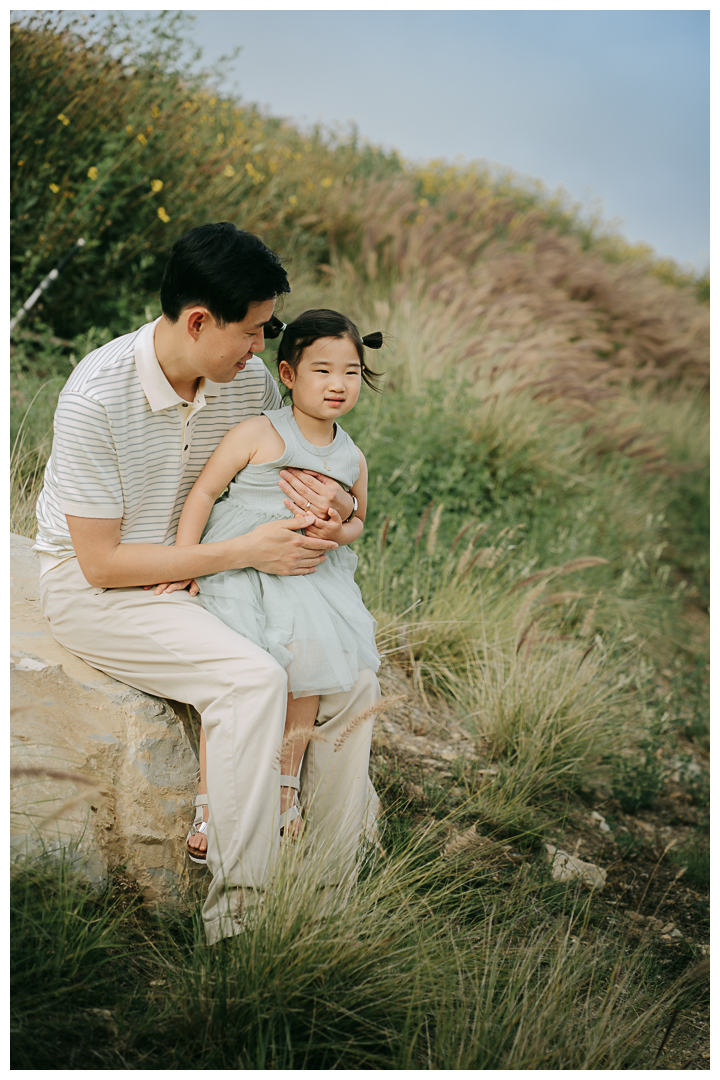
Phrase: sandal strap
(290, 781)
(289, 815)
(201, 827)
(201, 800)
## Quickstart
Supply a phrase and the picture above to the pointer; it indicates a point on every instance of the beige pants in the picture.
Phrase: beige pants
(170, 646)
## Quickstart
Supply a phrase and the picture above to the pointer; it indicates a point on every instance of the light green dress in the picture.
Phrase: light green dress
(315, 625)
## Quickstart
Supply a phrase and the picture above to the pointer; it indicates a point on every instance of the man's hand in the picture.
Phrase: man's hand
(279, 548)
(322, 493)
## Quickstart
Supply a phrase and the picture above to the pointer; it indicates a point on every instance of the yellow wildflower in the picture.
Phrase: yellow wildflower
(149, 128)
(92, 173)
(141, 139)
(293, 200)
(163, 214)
(63, 119)
(423, 202)
(250, 167)
(228, 171)
(21, 162)
(156, 185)
(128, 128)
(155, 111)
(220, 137)
(54, 188)
(326, 181)
(213, 101)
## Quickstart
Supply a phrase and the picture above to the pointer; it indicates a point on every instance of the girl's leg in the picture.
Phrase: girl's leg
(198, 842)
(301, 714)
(300, 718)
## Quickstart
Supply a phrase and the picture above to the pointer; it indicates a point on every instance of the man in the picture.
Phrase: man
(135, 424)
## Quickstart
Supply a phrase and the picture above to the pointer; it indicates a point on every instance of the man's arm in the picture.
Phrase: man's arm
(274, 548)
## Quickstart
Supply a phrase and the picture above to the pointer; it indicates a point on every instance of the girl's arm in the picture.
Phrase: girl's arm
(332, 528)
(232, 454)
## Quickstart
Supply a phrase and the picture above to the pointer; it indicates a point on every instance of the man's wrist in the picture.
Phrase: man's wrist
(235, 554)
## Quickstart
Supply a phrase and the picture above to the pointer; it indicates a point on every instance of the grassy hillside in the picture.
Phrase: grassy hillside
(535, 554)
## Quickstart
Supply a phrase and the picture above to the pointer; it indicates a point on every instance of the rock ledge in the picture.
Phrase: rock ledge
(100, 771)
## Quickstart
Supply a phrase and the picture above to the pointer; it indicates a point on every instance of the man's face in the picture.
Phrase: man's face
(220, 353)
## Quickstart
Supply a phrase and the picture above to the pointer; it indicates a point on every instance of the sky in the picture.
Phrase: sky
(612, 105)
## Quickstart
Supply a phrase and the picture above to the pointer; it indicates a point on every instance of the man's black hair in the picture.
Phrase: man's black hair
(223, 269)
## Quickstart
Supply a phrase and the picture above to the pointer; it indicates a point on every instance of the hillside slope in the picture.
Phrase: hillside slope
(535, 553)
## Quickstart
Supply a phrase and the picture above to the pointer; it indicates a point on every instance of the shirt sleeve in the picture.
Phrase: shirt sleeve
(84, 459)
(271, 398)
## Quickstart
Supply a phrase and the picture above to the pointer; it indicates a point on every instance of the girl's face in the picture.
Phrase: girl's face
(326, 382)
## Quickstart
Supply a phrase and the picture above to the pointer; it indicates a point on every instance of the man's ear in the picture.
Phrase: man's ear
(195, 319)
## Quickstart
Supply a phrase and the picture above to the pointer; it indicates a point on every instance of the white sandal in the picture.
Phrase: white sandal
(292, 812)
(198, 826)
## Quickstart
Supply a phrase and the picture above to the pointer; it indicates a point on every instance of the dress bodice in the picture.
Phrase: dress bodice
(256, 486)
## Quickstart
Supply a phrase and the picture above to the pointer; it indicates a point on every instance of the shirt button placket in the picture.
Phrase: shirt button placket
(185, 442)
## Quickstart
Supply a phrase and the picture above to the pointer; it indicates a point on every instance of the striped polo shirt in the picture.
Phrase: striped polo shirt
(127, 446)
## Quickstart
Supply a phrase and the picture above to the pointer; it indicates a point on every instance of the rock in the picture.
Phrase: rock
(655, 924)
(472, 844)
(101, 772)
(565, 867)
(601, 822)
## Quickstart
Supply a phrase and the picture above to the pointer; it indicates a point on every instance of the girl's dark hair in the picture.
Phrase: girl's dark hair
(222, 268)
(321, 323)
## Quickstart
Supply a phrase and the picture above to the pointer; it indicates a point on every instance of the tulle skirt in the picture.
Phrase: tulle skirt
(315, 625)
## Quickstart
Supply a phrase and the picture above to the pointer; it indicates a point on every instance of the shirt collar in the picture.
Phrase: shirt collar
(156, 387)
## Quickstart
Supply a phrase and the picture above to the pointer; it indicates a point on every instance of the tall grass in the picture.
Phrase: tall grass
(419, 966)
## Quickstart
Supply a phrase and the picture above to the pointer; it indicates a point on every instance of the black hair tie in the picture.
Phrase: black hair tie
(274, 328)
(373, 341)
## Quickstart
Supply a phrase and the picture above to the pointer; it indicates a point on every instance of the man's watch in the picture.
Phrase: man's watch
(353, 512)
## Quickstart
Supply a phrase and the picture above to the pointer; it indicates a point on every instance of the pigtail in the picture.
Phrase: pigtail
(372, 378)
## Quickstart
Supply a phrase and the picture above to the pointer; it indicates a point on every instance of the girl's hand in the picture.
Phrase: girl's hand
(175, 586)
(322, 493)
(330, 528)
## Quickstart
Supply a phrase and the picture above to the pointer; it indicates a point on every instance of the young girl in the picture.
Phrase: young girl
(315, 625)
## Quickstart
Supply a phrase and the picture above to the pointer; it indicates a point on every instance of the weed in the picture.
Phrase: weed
(695, 857)
(638, 776)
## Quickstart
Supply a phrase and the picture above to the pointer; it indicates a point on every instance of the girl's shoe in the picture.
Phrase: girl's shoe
(198, 826)
(292, 812)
